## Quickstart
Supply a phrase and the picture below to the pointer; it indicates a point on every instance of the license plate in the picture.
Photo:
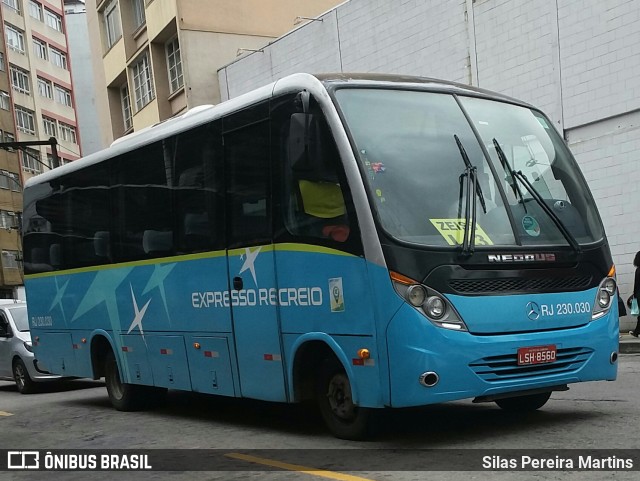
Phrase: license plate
(536, 355)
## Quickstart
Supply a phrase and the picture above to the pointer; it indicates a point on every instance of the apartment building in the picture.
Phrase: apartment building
(160, 57)
(38, 63)
(10, 188)
(36, 103)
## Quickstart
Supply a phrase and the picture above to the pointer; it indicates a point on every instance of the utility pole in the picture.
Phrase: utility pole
(52, 142)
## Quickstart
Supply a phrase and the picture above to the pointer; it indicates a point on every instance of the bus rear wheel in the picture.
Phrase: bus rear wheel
(128, 397)
(344, 419)
(524, 403)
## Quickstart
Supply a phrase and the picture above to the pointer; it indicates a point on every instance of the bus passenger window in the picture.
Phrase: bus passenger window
(198, 191)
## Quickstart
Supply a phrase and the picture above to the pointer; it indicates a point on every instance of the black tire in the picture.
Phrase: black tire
(524, 403)
(344, 419)
(25, 384)
(128, 397)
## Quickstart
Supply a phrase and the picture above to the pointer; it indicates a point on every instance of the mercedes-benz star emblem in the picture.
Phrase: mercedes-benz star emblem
(533, 311)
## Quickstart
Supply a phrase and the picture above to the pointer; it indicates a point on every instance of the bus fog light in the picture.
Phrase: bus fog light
(416, 295)
(429, 379)
(604, 298)
(435, 307)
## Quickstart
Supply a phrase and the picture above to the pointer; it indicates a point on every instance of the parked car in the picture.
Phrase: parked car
(17, 362)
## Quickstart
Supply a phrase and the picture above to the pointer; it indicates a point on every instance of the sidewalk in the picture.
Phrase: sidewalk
(629, 344)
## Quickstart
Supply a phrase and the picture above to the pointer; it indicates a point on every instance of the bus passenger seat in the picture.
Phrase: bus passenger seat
(101, 243)
(39, 261)
(55, 254)
(157, 241)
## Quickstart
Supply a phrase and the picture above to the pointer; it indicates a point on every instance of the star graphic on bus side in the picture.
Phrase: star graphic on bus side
(58, 298)
(250, 259)
(139, 314)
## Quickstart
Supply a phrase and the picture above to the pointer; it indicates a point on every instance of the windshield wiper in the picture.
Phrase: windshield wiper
(511, 174)
(519, 176)
(471, 175)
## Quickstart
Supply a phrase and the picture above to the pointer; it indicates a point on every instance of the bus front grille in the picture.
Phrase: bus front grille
(505, 367)
(514, 284)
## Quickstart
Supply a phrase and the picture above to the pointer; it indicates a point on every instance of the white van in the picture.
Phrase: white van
(17, 362)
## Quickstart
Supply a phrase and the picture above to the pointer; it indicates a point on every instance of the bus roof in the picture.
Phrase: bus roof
(314, 83)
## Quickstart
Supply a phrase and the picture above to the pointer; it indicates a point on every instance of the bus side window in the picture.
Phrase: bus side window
(314, 201)
(198, 189)
(246, 148)
(141, 198)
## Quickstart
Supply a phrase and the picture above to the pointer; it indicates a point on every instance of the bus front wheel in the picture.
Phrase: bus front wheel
(344, 419)
(524, 403)
(128, 397)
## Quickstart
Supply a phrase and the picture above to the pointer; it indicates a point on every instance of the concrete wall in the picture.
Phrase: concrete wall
(578, 60)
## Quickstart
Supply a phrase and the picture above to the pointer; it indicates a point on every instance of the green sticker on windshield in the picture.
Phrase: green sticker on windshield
(531, 226)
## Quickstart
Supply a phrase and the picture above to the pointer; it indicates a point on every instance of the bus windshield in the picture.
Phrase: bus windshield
(411, 143)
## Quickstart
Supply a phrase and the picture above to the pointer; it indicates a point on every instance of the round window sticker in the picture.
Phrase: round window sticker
(531, 226)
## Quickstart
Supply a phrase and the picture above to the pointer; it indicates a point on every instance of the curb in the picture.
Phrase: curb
(628, 346)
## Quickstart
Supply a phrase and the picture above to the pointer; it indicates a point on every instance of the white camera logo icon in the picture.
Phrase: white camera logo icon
(23, 460)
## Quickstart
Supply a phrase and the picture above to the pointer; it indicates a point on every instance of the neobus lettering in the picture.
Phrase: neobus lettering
(288, 296)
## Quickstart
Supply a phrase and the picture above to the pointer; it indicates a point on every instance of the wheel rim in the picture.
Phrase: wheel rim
(19, 375)
(114, 382)
(339, 397)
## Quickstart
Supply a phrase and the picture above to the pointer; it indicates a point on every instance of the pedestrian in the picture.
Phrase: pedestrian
(636, 294)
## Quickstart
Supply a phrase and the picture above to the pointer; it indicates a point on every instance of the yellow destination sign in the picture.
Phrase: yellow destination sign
(452, 230)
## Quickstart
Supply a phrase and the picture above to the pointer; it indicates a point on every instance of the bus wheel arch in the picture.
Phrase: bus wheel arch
(321, 373)
(336, 401)
(100, 347)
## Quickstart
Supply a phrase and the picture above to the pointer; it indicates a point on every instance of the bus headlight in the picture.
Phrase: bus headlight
(430, 303)
(435, 307)
(609, 285)
(416, 295)
(604, 298)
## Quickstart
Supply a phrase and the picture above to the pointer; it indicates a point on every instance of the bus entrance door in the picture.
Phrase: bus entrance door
(255, 323)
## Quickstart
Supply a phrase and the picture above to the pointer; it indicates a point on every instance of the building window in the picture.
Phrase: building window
(142, 82)
(63, 96)
(68, 133)
(13, 4)
(126, 107)
(35, 10)
(2, 65)
(25, 120)
(10, 259)
(49, 126)
(30, 159)
(111, 23)
(40, 48)
(139, 18)
(45, 88)
(5, 179)
(9, 137)
(57, 57)
(5, 104)
(7, 218)
(174, 64)
(15, 38)
(53, 20)
(20, 80)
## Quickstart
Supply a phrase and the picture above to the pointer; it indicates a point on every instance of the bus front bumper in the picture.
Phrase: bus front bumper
(465, 366)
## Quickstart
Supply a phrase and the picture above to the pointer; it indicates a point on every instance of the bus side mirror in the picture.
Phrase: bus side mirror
(304, 147)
